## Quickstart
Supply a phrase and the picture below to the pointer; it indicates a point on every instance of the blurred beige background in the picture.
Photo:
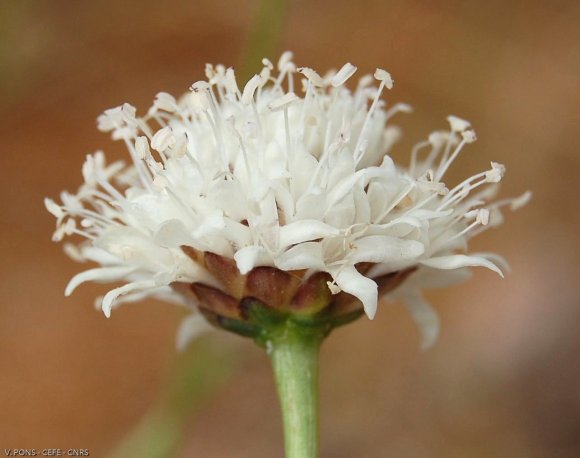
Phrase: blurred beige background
(503, 379)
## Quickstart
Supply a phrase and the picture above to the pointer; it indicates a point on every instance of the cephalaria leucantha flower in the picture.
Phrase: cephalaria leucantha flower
(281, 192)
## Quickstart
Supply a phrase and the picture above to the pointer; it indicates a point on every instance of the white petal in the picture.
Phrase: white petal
(237, 233)
(344, 187)
(460, 260)
(428, 278)
(353, 282)
(249, 257)
(425, 317)
(496, 259)
(379, 248)
(212, 222)
(99, 255)
(303, 256)
(362, 206)
(53, 208)
(99, 274)
(189, 329)
(112, 295)
(162, 293)
(341, 214)
(304, 231)
(519, 202)
(172, 234)
(403, 220)
(73, 252)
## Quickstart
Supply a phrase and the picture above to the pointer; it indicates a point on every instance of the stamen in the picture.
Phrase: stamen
(457, 124)
(397, 108)
(231, 85)
(385, 80)
(481, 218)
(163, 140)
(397, 200)
(312, 76)
(287, 129)
(250, 89)
(282, 102)
(343, 75)
(467, 137)
(414, 153)
(496, 173)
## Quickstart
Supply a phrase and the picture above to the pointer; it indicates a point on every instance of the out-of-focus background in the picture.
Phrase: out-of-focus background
(504, 378)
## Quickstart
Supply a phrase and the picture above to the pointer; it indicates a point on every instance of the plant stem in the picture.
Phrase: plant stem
(198, 374)
(295, 360)
(263, 37)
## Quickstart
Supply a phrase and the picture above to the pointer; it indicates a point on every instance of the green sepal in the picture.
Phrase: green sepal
(313, 325)
(264, 324)
(261, 315)
(242, 328)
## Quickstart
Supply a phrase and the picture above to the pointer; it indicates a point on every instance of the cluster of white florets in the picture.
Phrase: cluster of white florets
(291, 171)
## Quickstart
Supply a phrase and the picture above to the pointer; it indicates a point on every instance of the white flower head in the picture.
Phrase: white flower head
(281, 190)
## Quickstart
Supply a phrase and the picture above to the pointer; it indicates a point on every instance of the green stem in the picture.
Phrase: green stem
(198, 374)
(264, 36)
(295, 360)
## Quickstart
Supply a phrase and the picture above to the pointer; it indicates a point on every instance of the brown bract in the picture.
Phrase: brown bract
(287, 292)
